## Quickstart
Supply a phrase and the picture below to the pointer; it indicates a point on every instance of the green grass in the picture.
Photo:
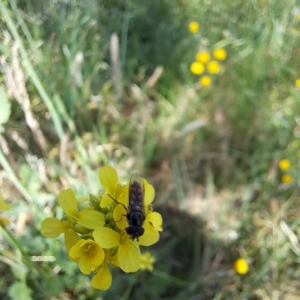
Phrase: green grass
(218, 186)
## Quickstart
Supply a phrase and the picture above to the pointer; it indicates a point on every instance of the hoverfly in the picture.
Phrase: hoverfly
(135, 212)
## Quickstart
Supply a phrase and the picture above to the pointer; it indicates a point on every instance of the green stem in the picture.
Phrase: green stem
(132, 281)
(31, 72)
(13, 178)
(169, 278)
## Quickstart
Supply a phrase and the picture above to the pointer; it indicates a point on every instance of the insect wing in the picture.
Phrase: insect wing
(136, 192)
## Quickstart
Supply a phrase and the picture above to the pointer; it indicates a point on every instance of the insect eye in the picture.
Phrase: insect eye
(140, 231)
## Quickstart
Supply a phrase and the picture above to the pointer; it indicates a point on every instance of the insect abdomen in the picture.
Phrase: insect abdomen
(136, 192)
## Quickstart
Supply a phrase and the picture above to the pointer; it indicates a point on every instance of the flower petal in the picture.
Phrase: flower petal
(71, 239)
(149, 193)
(67, 201)
(115, 260)
(109, 178)
(151, 235)
(77, 250)
(52, 227)
(106, 200)
(120, 217)
(155, 219)
(90, 219)
(85, 264)
(102, 280)
(123, 194)
(106, 237)
(129, 255)
(98, 256)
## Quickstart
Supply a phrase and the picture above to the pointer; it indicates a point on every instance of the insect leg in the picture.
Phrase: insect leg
(117, 201)
(121, 218)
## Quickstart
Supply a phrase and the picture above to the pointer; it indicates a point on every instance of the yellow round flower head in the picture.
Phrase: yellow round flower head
(286, 178)
(205, 80)
(213, 67)
(298, 16)
(197, 68)
(220, 54)
(194, 27)
(284, 164)
(203, 57)
(241, 266)
(297, 82)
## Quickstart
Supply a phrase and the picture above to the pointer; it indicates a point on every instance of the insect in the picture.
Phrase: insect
(135, 212)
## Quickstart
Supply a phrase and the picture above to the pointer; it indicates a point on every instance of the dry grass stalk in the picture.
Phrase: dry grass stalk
(115, 63)
(154, 77)
(15, 83)
(76, 69)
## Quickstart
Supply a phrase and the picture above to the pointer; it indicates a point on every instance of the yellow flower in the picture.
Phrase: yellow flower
(213, 67)
(220, 54)
(197, 68)
(241, 266)
(147, 261)
(87, 218)
(109, 179)
(286, 178)
(205, 80)
(194, 27)
(203, 57)
(73, 222)
(103, 279)
(128, 251)
(298, 16)
(89, 254)
(284, 164)
(297, 82)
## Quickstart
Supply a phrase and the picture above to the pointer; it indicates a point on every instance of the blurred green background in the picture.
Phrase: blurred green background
(90, 83)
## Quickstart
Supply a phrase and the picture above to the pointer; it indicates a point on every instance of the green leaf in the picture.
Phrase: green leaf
(18, 289)
(5, 108)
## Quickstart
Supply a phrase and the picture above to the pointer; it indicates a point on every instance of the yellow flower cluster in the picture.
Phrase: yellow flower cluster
(285, 165)
(204, 63)
(3, 207)
(96, 231)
